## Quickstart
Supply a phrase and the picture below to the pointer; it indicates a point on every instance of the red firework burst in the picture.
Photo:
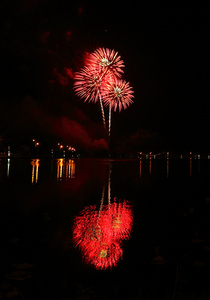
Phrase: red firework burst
(104, 60)
(87, 83)
(118, 94)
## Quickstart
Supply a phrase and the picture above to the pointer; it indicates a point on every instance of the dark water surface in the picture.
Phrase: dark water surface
(166, 257)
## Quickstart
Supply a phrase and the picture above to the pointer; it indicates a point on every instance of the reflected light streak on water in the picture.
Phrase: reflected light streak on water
(35, 170)
(140, 166)
(167, 168)
(60, 168)
(150, 165)
(65, 167)
(70, 166)
(190, 166)
(8, 166)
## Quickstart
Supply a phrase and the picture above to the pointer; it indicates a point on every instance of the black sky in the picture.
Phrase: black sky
(164, 47)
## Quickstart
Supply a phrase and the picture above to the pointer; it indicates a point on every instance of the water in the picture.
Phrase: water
(165, 257)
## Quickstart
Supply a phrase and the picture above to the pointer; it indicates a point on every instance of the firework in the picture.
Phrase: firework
(117, 94)
(88, 83)
(99, 81)
(102, 66)
(106, 61)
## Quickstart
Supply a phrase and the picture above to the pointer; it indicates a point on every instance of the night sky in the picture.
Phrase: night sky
(164, 48)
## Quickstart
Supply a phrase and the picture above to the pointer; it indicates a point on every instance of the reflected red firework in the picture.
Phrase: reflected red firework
(86, 227)
(98, 234)
(103, 255)
(122, 219)
(118, 94)
(91, 235)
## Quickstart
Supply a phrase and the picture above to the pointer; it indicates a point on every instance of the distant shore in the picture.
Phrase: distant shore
(144, 156)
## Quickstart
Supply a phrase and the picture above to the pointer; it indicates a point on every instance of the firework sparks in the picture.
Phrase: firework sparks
(101, 68)
(118, 94)
(87, 84)
(106, 60)
(100, 81)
